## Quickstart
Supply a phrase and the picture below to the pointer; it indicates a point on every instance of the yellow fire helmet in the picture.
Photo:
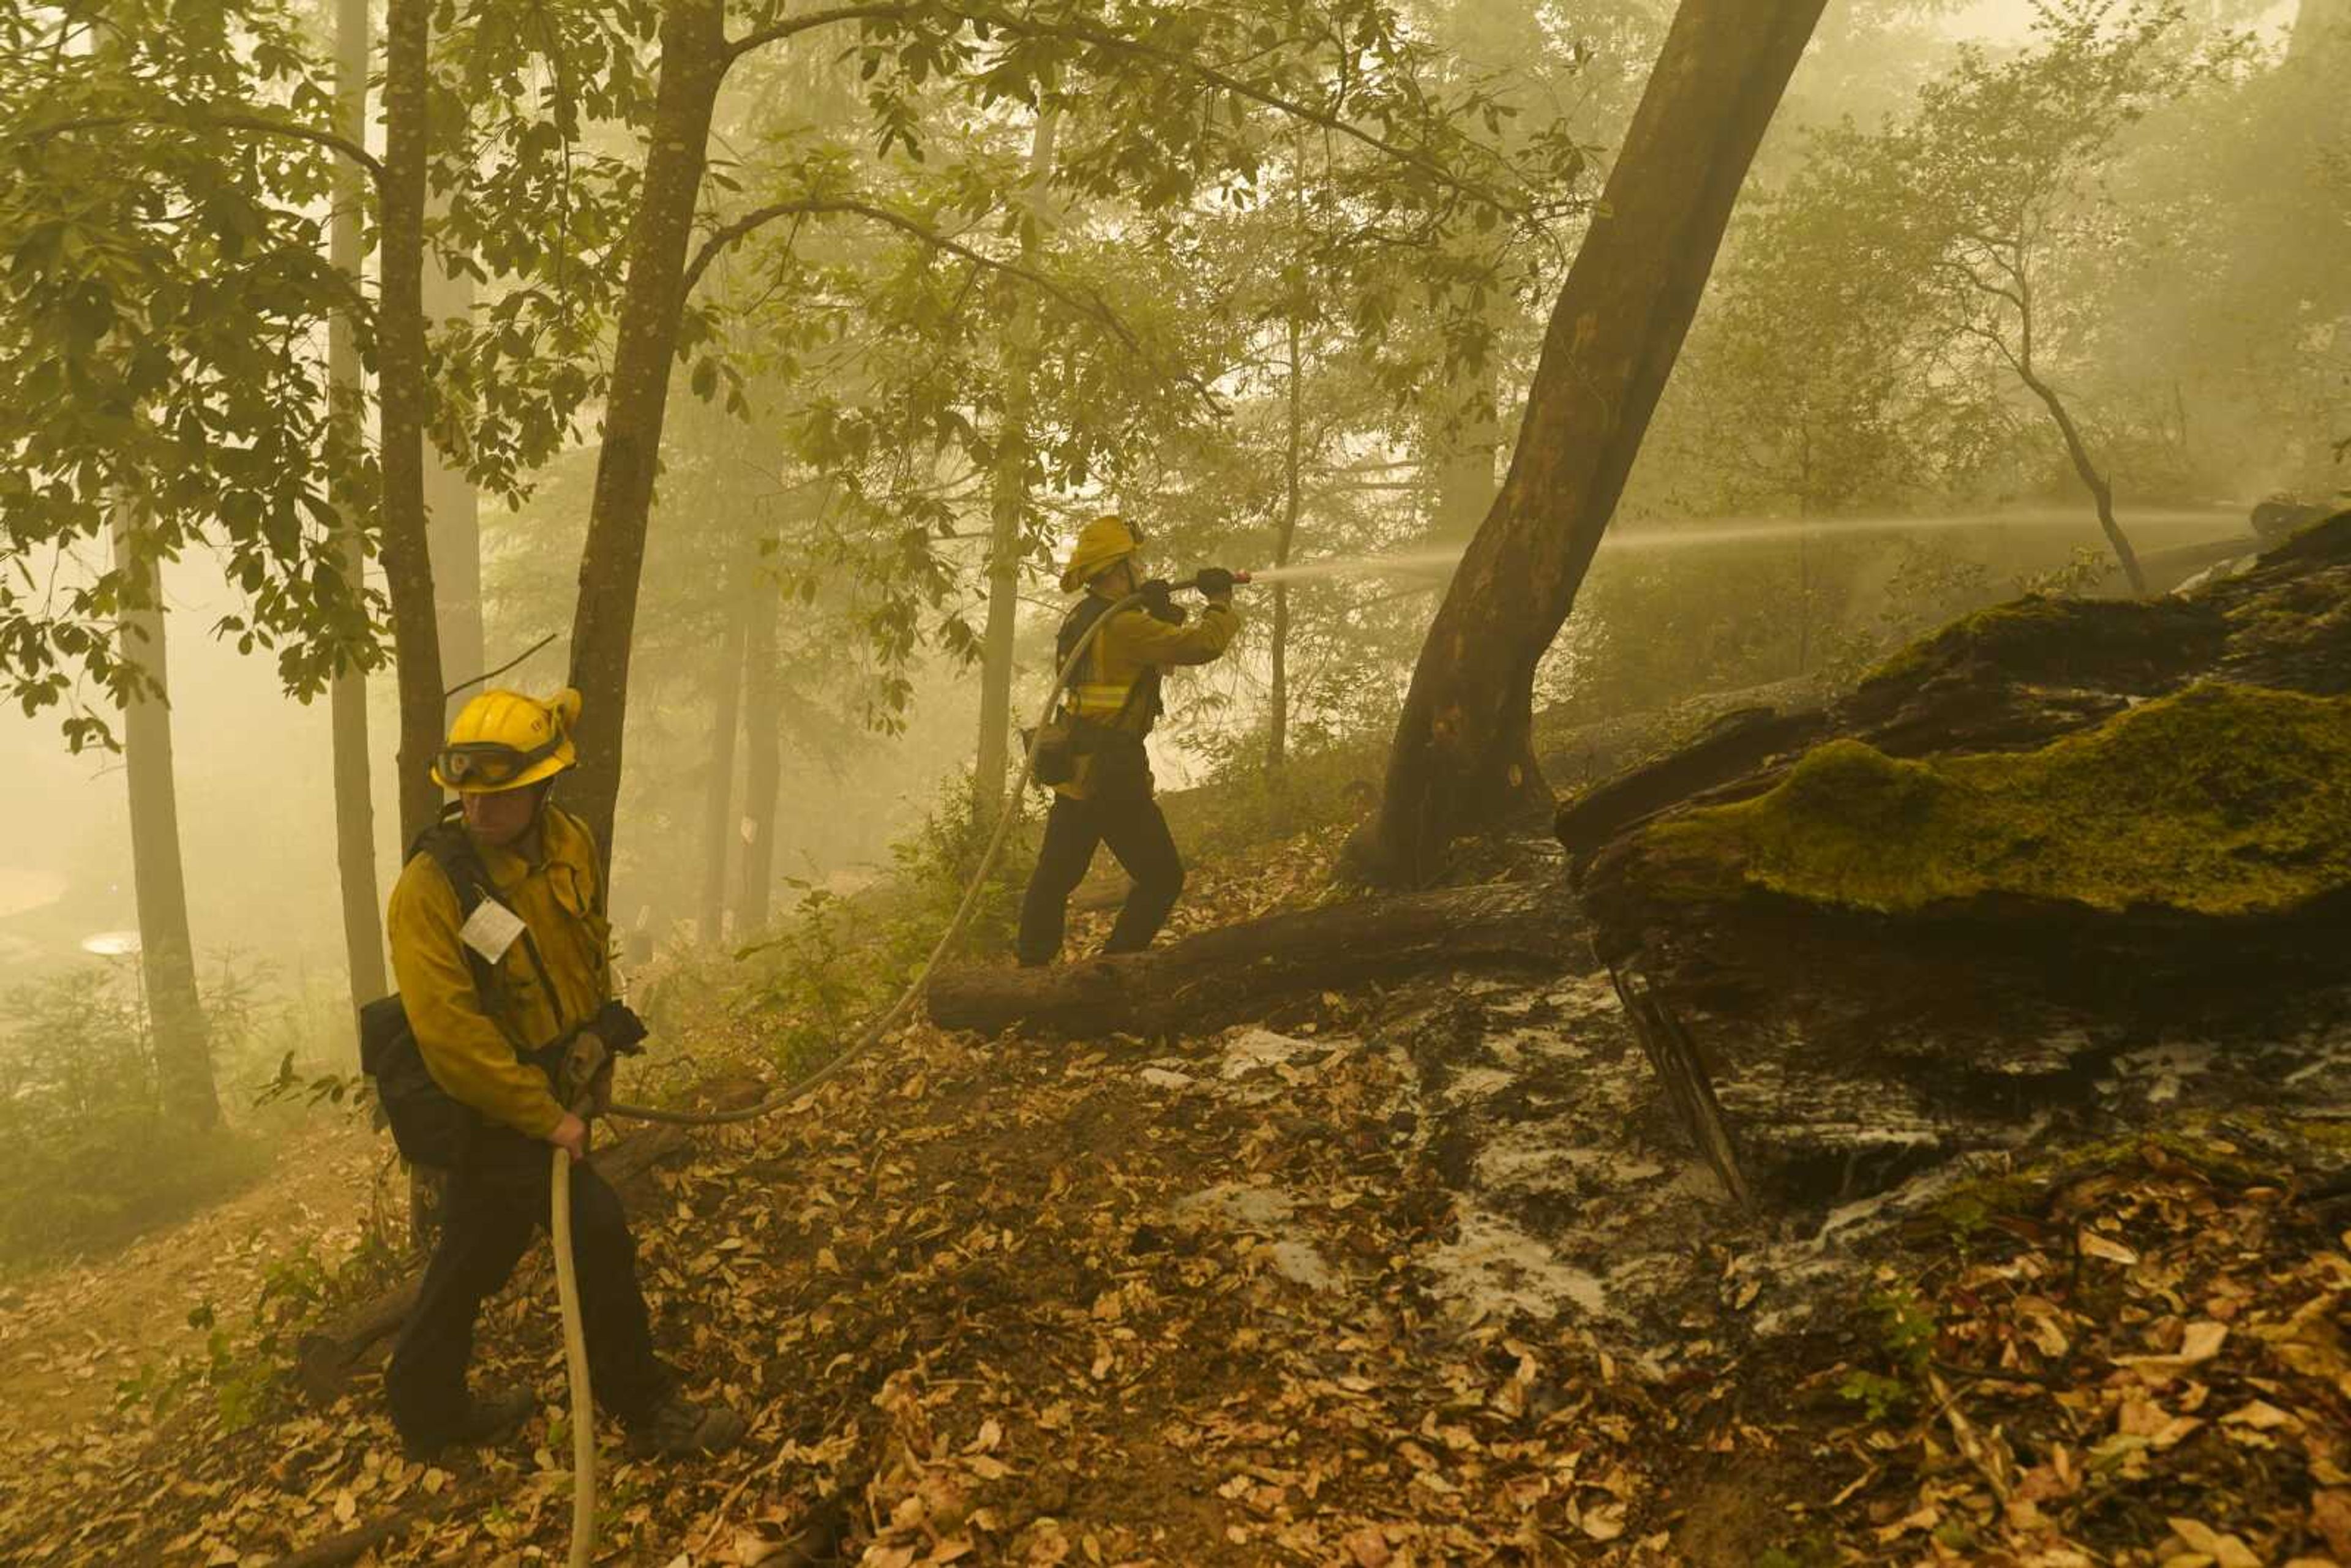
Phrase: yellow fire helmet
(1101, 544)
(505, 740)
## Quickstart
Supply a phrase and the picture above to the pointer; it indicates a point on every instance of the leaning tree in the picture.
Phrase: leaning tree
(1463, 756)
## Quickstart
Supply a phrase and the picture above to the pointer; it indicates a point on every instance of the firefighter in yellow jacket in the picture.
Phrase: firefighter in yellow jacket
(1111, 703)
(536, 941)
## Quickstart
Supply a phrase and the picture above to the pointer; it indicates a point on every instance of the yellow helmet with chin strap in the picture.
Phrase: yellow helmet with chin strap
(1101, 544)
(505, 740)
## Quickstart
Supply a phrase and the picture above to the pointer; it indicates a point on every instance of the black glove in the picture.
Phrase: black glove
(1158, 597)
(620, 1028)
(1215, 582)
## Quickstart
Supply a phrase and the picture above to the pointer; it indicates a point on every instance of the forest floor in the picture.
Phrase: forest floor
(72, 1334)
(1406, 1276)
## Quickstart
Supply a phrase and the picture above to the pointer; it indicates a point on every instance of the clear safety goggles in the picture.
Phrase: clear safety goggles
(489, 762)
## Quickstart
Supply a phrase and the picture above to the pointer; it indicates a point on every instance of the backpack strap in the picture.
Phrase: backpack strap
(452, 849)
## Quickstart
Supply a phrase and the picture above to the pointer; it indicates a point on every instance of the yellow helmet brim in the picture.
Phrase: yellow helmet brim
(546, 768)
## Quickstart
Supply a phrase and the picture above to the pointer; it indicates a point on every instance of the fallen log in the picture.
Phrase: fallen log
(330, 1352)
(1736, 743)
(1238, 972)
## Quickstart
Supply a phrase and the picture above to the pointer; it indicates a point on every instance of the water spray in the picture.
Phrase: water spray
(1439, 563)
(1405, 563)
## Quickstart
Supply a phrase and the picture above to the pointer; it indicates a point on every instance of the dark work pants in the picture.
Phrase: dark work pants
(1137, 835)
(498, 1196)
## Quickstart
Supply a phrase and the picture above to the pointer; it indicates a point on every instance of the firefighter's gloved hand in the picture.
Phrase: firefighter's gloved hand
(1215, 583)
(620, 1028)
(1159, 600)
(585, 1060)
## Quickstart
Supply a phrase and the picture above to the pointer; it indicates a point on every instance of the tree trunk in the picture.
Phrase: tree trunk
(403, 400)
(763, 707)
(354, 787)
(1277, 742)
(167, 960)
(1009, 501)
(694, 60)
(1461, 759)
(454, 527)
(2102, 494)
(719, 800)
(1238, 972)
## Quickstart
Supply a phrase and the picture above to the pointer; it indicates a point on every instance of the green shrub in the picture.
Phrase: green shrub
(246, 1368)
(935, 864)
(1904, 1330)
(92, 1157)
(831, 962)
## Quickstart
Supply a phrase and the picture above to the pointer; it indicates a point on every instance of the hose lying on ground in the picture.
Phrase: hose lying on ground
(567, 1286)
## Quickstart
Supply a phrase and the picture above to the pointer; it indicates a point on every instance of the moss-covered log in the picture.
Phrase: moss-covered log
(2221, 801)
(1733, 747)
(2181, 869)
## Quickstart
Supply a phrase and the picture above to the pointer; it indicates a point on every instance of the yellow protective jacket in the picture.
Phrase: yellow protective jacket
(556, 891)
(1131, 644)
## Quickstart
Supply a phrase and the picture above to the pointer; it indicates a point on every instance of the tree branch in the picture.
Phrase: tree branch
(779, 31)
(1106, 39)
(1103, 38)
(721, 238)
(232, 121)
(1976, 280)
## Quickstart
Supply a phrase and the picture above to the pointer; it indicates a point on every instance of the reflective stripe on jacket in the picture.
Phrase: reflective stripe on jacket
(1129, 644)
(558, 895)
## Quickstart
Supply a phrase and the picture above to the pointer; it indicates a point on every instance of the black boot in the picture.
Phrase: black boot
(484, 1421)
(680, 1427)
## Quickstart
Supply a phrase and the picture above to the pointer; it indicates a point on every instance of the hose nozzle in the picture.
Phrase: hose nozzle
(1215, 580)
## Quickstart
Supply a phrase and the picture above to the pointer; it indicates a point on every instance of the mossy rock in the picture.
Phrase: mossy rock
(2221, 801)
(2136, 646)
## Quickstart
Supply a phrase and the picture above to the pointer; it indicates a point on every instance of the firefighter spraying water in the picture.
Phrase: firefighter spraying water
(1096, 763)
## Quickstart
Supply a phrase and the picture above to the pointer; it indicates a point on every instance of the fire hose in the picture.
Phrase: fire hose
(582, 1068)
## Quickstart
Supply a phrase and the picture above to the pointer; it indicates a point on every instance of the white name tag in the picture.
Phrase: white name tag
(491, 929)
